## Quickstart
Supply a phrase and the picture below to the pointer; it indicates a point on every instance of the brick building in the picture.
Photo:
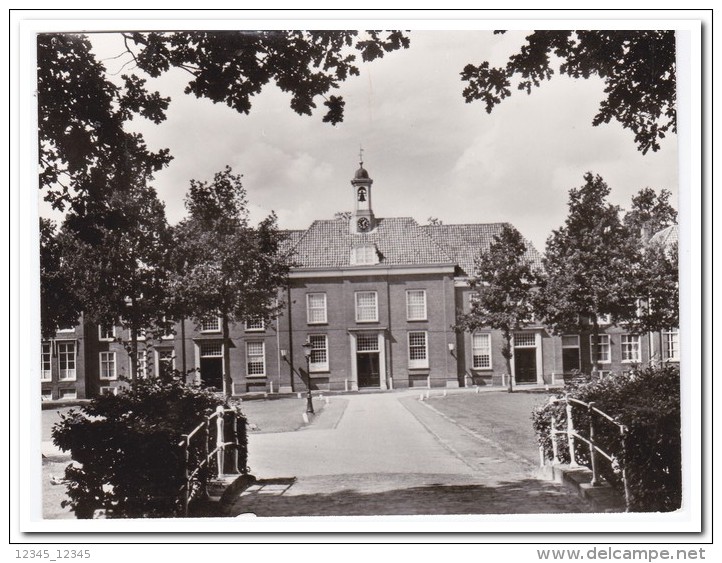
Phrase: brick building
(375, 300)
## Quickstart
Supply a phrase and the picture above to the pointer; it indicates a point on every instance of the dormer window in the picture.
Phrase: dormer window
(364, 255)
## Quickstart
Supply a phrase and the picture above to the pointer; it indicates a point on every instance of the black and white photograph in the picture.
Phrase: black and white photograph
(372, 272)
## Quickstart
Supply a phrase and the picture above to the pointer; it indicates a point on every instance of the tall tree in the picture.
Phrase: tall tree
(587, 264)
(58, 305)
(504, 285)
(84, 145)
(651, 212)
(225, 266)
(118, 259)
(637, 67)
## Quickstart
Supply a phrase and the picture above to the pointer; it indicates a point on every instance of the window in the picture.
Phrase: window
(670, 341)
(211, 325)
(256, 324)
(604, 320)
(143, 363)
(418, 358)
(67, 394)
(319, 353)
(524, 340)
(481, 350)
(166, 363)
(108, 390)
(67, 329)
(603, 348)
(255, 359)
(107, 365)
(46, 395)
(66, 360)
(416, 305)
(366, 307)
(316, 308)
(571, 359)
(106, 333)
(364, 255)
(630, 348)
(45, 362)
(367, 343)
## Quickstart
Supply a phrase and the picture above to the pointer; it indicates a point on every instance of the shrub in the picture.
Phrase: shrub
(125, 448)
(647, 402)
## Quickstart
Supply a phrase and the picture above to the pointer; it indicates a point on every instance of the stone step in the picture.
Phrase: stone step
(603, 497)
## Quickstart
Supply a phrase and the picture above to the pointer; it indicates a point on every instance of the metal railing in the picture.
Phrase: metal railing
(616, 458)
(204, 453)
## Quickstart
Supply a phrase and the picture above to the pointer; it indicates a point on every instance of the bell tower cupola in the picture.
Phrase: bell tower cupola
(362, 220)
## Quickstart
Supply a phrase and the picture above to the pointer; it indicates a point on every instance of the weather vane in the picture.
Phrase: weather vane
(361, 155)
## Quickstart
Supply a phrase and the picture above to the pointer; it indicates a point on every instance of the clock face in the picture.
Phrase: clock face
(363, 224)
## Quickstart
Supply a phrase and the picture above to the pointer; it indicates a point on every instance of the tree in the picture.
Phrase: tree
(84, 149)
(58, 306)
(650, 213)
(225, 266)
(82, 115)
(504, 285)
(342, 215)
(637, 67)
(117, 260)
(588, 263)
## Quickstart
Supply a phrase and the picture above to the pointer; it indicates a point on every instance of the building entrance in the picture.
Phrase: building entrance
(525, 367)
(367, 360)
(211, 364)
(368, 369)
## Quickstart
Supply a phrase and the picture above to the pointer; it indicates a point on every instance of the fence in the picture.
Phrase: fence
(211, 450)
(616, 458)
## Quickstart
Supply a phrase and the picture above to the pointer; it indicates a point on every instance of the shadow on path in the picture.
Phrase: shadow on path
(387, 495)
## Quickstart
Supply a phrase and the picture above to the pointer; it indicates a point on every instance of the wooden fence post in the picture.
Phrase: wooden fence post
(623, 431)
(207, 438)
(592, 446)
(570, 434)
(220, 447)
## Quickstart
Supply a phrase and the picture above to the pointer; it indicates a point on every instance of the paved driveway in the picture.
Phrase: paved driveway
(389, 453)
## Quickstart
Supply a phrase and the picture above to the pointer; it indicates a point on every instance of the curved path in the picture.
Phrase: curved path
(389, 453)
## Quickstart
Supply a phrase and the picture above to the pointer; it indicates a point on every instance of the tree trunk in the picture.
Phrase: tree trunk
(133, 354)
(227, 379)
(595, 344)
(506, 352)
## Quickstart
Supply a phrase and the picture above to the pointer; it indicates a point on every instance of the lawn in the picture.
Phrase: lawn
(500, 416)
(278, 415)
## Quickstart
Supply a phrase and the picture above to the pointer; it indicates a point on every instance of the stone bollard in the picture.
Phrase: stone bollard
(300, 396)
(421, 397)
(305, 418)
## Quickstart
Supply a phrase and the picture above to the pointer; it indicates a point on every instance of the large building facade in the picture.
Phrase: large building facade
(371, 304)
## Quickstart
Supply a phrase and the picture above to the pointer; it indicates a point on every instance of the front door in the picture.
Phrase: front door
(212, 372)
(525, 365)
(367, 365)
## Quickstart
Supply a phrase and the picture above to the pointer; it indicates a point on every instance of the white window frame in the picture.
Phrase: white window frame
(219, 322)
(605, 343)
(409, 305)
(474, 348)
(318, 366)
(631, 348)
(358, 294)
(66, 329)
(103, 337)
(667, 337)
(159, 360)
(108, 390)
(249, 326)
(418, 363)
(262, 357)
(68, 375)
(311, 309)
(604, 320)
(101, 360)
(143, 362)
(364, 255)
(46, 374)
(46, 394)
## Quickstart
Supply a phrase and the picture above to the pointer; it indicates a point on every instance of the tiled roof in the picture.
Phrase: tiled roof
(466, 242)
(399, 241)
(292, 238)
(666, 237)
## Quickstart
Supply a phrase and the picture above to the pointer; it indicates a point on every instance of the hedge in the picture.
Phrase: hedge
(125, 448)
(647, 402)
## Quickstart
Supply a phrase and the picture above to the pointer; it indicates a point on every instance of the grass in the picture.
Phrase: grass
(277, 415)
(499, 416)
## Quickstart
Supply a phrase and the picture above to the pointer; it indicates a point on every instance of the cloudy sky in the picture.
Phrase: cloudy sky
(428, 152)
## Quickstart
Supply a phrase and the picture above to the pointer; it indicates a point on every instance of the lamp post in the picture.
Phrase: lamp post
(307, 348)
